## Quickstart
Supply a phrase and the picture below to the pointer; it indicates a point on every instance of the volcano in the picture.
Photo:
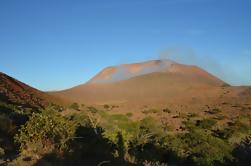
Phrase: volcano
(147, 82)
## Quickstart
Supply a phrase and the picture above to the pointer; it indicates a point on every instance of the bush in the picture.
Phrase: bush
(192, 115)
(167, 110)
(129, 114)
(206, 123)
(45, 132)
(147, 131)
(74, 106)
(92, 109)
(234, 132)
(200, 147)
(219, 117)
(5, 124)
(153, 111)
(213, 111)
(106, 106)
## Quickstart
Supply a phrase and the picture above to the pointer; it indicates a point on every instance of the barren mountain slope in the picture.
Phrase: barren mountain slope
(148, 81)
(16, 92)
(127, 71)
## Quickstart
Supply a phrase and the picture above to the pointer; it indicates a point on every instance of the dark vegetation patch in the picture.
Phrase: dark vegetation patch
(205, 123)
(213, 111)
(167, 110)
(75, 106)
(94, 137)
(106, 106)
(150, 111)
(129, 114)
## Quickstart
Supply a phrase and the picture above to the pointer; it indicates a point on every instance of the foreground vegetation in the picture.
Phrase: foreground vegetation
(96, 137)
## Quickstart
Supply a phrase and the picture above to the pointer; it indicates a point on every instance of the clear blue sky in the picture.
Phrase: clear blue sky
(56, 44)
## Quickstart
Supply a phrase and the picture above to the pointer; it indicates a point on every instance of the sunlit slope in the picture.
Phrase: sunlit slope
(153, 80)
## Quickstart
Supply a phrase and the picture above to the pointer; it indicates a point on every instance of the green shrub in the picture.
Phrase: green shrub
(167, 110)
(200, 147)
(117, 122)
(74, 106)
(45, 132)
(239, 130)
(5, 124)
(234, 132)
(106, 106)
(206, 123)
(92, 109)
(4, 105)
(149, 111)
(241, 127)
(154, 163)
(192, 115)
(214, 111)
(114, 106)
(148, 130)
(129, 114)
(219, 117)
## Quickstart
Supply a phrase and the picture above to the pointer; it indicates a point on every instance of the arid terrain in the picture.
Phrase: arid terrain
(158, 84)
(153, 113)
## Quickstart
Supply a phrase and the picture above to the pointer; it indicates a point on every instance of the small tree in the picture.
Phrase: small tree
(45, 132)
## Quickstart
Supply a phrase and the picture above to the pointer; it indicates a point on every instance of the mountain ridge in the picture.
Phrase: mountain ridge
(126, 71)
(16, 92)
(163, 79)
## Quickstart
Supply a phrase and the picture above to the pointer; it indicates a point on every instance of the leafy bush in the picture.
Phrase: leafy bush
(219, 117)
(99, 136)
(4, 105)
(149, 111)
(45, 132)
(192, 115)
(234, 132)
(92, 109)
(74, 106)
(147, 131)
(5, 124)
(214, 111)
(241, 127)
(167, 110)
(106, 106)
(200, 147)
(206, 123)
(129, 114)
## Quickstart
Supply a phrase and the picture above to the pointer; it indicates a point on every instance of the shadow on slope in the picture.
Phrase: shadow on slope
(88, 148)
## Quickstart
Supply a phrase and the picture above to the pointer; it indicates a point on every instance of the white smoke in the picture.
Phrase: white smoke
(190, 57)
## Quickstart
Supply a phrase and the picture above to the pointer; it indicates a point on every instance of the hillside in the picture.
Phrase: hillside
(153, 113)
(126, 71)
(153, 80)
(15, 92)
(181, 88)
